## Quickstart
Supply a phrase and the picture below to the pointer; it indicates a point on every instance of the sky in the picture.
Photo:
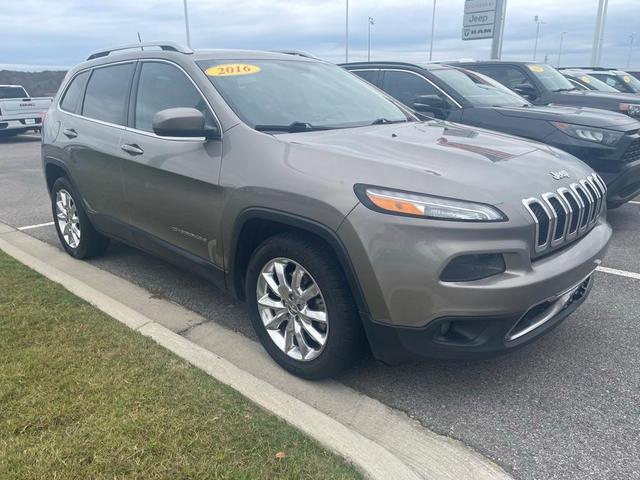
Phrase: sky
(46, 34)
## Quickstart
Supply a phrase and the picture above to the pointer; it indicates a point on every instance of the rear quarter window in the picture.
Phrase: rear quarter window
(107, 93)
(72, 99)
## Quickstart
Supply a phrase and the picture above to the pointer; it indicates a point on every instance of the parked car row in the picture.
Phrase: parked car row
(343, 218)
(608, 142)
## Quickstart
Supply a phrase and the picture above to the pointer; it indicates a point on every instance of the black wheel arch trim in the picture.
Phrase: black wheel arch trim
(59, 164)
(235, 281)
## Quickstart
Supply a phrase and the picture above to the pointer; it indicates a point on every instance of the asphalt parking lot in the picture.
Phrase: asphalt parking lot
(565, 407)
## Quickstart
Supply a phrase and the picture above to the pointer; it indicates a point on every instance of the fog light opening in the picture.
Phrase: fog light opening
(468, 268)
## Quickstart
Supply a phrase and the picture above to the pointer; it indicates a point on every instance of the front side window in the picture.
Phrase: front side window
(163, 86)
(507, 75)
(595, 84)
(12, 92)
(72, 99)
(478, 89)
(285, 93)
(107, 93)
(407, 87)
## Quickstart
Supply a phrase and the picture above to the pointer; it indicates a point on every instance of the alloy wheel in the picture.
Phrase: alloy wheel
(292, 309)
(67, 218)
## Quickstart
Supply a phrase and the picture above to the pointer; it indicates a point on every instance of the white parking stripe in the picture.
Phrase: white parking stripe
(30, 227)
(635, 203)
(621, 273)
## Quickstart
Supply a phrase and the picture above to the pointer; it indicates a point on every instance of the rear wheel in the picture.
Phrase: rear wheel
(301, 307)
(77, 235)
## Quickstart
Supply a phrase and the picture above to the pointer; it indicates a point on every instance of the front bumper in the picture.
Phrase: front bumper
(411, 312)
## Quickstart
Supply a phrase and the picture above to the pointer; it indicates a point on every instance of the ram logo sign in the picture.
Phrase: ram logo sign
(560, 175)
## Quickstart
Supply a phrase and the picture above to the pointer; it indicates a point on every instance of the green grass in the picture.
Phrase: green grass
(83, 397)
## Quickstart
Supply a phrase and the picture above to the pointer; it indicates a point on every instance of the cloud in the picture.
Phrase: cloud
(63, 32)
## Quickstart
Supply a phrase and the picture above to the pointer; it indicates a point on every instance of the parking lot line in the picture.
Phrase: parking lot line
(635, 203)
(31, 227)
(621, 273)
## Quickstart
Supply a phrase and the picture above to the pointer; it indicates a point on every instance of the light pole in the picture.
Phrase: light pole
(598, 37)
(346, 35)
(433, 26)
(186, 23)
(632, 37)
(560, 49)
(369, 39)
(535, 47)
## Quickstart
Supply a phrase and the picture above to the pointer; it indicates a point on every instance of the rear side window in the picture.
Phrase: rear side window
(370, 76)
(108, 92)
(163, 86)
(406, 87)
(12, 92)
(72, 99)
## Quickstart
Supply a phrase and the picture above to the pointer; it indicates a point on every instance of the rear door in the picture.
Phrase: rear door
(91, 130)
(171, 183)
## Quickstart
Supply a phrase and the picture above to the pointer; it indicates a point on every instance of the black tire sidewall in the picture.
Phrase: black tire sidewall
(345, 336)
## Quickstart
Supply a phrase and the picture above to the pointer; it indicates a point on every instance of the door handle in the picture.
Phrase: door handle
(70, 133)
(132, 149)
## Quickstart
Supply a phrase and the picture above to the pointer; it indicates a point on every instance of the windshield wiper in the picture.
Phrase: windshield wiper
(565, 89)
(293, 127)
(386, 121)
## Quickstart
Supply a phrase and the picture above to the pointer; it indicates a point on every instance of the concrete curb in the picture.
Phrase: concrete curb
(381, 442)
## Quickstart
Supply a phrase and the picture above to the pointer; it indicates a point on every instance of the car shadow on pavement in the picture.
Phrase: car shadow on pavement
(20, 139)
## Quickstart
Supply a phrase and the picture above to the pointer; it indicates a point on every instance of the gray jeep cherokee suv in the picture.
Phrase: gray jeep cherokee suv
(340, 218)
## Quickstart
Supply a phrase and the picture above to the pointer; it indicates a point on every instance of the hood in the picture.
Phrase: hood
(589, 117)
(438, 158)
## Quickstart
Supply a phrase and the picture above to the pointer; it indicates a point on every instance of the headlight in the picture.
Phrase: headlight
(426, 206)
(596, 135)
(631, 109)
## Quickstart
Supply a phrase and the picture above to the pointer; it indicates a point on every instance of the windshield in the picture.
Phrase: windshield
(622, 82)
(594, 84)
(479, 90)
(12, 92)
(551, 78)
(295, 95)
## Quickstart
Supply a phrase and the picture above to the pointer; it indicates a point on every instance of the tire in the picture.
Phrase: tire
(83, 241)
(342, 332)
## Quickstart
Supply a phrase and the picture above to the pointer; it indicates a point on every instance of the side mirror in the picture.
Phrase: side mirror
(182, 122)
(432, 104)
(526, 90)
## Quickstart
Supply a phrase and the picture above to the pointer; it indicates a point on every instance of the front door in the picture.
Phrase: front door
(171, 184)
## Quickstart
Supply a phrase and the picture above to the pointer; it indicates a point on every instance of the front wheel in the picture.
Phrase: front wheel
(301, 307)
(77, 235)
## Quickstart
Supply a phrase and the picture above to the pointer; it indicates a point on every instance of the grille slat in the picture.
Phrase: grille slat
(633, 152)
(567, 213)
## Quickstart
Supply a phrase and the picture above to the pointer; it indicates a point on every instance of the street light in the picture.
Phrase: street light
(369, 39)
(186, 23)
(632, 37)
(346, 35)
(538, 23)
(433, 26)
(560, 49)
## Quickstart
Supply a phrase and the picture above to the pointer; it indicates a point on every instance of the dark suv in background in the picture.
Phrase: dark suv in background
(543, 85)
(609, 142)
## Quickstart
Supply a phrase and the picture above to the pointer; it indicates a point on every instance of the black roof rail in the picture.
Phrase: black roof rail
(167, 46)
(595, 69)
(298, 53)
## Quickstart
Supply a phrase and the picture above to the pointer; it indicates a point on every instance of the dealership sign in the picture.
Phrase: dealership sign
(479, 19)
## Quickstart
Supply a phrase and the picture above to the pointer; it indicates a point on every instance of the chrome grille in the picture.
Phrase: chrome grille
(567, 213)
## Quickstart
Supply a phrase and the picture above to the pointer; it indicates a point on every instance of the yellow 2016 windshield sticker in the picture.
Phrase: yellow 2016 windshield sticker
(626, 78)
(232, 70)
(585, 79)
(536, 68)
